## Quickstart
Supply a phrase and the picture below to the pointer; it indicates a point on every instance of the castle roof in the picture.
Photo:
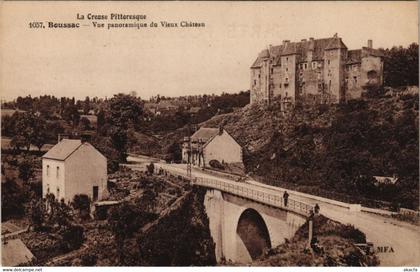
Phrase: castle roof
(317, 46)
(372, 52)
(354, 56)
(335, 43)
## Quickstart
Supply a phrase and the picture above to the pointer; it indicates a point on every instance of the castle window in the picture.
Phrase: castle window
(58, 172)
(305, 66)
(272, 70)
(287, 69)
(313, 65)
(259, 76)
(287, 59)
(355, 79)
(48, 170)
(287, 79)
(329, 62)
(255, 82)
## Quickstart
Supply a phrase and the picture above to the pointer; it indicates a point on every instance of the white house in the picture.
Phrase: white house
(209, 144)
(72, 167)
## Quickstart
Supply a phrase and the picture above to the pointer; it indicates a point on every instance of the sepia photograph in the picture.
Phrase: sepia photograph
(209, 134)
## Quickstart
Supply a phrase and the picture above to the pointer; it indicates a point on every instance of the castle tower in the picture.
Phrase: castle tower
(335, 55)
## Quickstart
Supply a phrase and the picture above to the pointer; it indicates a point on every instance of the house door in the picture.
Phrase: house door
(95, 193)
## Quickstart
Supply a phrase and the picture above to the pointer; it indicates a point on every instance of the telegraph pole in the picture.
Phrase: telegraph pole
(189, 167)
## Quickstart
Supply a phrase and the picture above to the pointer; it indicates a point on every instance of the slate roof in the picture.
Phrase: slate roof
(373, 52)
(335, 43)
(317, 46)
(63, 149)
(354, 56)
(204, 134)
(14, 252)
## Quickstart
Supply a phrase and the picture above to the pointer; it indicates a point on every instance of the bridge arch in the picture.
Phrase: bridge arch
(252, 233)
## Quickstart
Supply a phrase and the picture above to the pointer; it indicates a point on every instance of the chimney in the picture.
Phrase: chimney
(285, 42)
(62, 136)
(85, 138)
(221, 130)
(370, 44)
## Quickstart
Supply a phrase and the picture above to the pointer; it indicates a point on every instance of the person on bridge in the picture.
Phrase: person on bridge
(316, 208)
(285, 198)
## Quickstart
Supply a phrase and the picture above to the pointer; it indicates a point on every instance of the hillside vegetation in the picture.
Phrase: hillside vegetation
(335, 247)
(333, 150)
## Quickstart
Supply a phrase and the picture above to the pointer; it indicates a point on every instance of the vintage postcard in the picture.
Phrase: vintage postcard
(143, 134)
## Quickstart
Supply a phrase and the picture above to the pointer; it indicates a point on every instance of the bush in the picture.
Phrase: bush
(349, 232)
(82, 203)
(72, 237)
(88, 260)
(12, 199)
(26, 170)
(216, 164)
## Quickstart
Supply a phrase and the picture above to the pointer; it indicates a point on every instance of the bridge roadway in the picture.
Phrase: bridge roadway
(255, 193)
(404, 238)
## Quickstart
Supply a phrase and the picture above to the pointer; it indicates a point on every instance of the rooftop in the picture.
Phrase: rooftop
(204, 134)
(14, 252)
(63, 149)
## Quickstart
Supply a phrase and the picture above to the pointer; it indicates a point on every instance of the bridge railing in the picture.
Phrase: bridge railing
(255, 194)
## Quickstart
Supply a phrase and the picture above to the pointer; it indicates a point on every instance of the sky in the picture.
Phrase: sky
(175, 61)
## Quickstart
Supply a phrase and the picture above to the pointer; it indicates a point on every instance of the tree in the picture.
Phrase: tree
(29, 129)
(72, 237)
(71, 114)
(86, 105)
(174, 151)
(119, 140)
(84, 124)
(125, 110)
(37, 213)
(26, 169)
(401, 66)
(123, 220)
(12, 199)
(82, 203)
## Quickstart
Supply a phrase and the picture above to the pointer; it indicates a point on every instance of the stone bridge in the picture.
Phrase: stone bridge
(245, 221)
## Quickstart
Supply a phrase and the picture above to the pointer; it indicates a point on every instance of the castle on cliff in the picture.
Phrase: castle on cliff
(315, 71)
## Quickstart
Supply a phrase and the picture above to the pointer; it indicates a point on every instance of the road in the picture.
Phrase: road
(402, 237)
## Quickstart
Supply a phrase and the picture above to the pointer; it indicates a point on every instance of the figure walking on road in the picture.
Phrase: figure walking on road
(285, 198)
(316, 208)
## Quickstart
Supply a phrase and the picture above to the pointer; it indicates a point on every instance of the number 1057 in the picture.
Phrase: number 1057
(36, 25)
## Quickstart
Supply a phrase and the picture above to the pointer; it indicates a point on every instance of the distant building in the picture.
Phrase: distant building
(74, 167)
(386, 180)
(315, 71)
(211, 144)
(93, 119)
(14, 252)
